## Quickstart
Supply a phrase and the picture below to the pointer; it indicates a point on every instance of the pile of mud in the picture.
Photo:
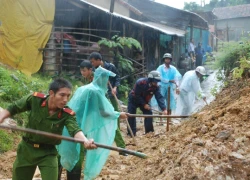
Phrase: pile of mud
(212, 144)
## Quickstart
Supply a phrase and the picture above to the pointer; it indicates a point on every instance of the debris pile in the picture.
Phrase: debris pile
(213, 144)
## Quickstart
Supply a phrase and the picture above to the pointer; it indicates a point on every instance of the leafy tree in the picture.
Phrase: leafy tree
(192, 6)
(125, 66)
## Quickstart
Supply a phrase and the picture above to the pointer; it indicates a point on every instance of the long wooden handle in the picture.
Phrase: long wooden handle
(129, 128)
(153, 116)
(205, 101)
(156, 111)
(56, 136)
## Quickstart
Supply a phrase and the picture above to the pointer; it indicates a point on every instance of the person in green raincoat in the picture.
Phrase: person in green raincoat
(96, 61)
(98, 119)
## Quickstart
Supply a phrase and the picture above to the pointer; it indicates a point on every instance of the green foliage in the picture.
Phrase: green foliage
(214, 90)
(14, 85)
(193, 6)
(244, 66)
(125, 66)
(199, 95)
(120, 42)
(230, 56)
(6, 141)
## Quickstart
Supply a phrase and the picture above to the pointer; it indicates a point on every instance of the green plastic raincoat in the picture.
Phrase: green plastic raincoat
(97, 119)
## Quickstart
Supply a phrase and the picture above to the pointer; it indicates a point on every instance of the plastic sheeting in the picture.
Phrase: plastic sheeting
(171, 74)
(25, 26)
(98, 120)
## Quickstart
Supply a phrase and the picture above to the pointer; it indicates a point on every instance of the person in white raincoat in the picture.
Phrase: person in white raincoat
(189, 89)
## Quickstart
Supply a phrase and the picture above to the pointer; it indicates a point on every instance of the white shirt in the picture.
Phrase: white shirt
(191, 47)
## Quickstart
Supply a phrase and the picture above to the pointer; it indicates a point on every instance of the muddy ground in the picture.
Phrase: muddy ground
(212, 144)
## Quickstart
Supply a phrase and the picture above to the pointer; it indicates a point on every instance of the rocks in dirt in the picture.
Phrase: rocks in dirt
(247, 134)
(236, 155)
(198, 142)
(204, 129)
(223, 135)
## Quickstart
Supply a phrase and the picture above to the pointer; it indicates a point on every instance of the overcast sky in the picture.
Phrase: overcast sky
(179, 3)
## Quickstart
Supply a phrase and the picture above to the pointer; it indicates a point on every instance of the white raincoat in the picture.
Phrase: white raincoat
(189, 89)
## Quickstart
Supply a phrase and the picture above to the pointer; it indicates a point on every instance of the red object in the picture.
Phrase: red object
(44, 103)
(69, 111)
(59, 114)
(65, 36)
(40, 95)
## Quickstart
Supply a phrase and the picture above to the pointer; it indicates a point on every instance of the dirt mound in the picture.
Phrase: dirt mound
(213, 144)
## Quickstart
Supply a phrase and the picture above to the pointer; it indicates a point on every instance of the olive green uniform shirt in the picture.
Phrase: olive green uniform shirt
(39, 119)
(86, 81)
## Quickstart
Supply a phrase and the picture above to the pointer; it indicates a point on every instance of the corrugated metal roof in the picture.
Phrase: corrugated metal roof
(166, 29)
(170, 16)
(157, 26)
(232, 12)
(162, 28)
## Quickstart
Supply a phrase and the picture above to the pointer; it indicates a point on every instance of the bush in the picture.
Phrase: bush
(231, 53)
(6, 141)
(14, 85)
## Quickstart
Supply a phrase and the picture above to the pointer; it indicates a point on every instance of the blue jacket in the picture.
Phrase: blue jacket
(143, 92)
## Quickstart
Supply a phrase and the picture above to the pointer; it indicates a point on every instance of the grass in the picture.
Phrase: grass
(6, 141)
(13, 86)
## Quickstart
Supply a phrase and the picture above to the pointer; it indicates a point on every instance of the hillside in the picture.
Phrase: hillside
(212, 144)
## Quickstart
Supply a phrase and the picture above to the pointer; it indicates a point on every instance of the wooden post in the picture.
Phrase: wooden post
(111, 10)
(61, 54)
(124, 29)
(216, 35)
(169, 110)
(143, 55)
(227, 33)
(89, 27)
(191, 30)
(200, 35)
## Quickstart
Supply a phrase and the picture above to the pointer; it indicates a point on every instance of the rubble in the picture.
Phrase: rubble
(213, 144)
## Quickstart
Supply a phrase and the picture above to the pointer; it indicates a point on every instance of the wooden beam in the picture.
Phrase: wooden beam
(111, 10)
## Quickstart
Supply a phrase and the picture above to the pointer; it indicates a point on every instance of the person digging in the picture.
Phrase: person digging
(140, 96)
(47, 113)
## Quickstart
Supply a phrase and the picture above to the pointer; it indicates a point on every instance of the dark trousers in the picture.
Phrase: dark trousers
(198, 61)
(148, 122)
